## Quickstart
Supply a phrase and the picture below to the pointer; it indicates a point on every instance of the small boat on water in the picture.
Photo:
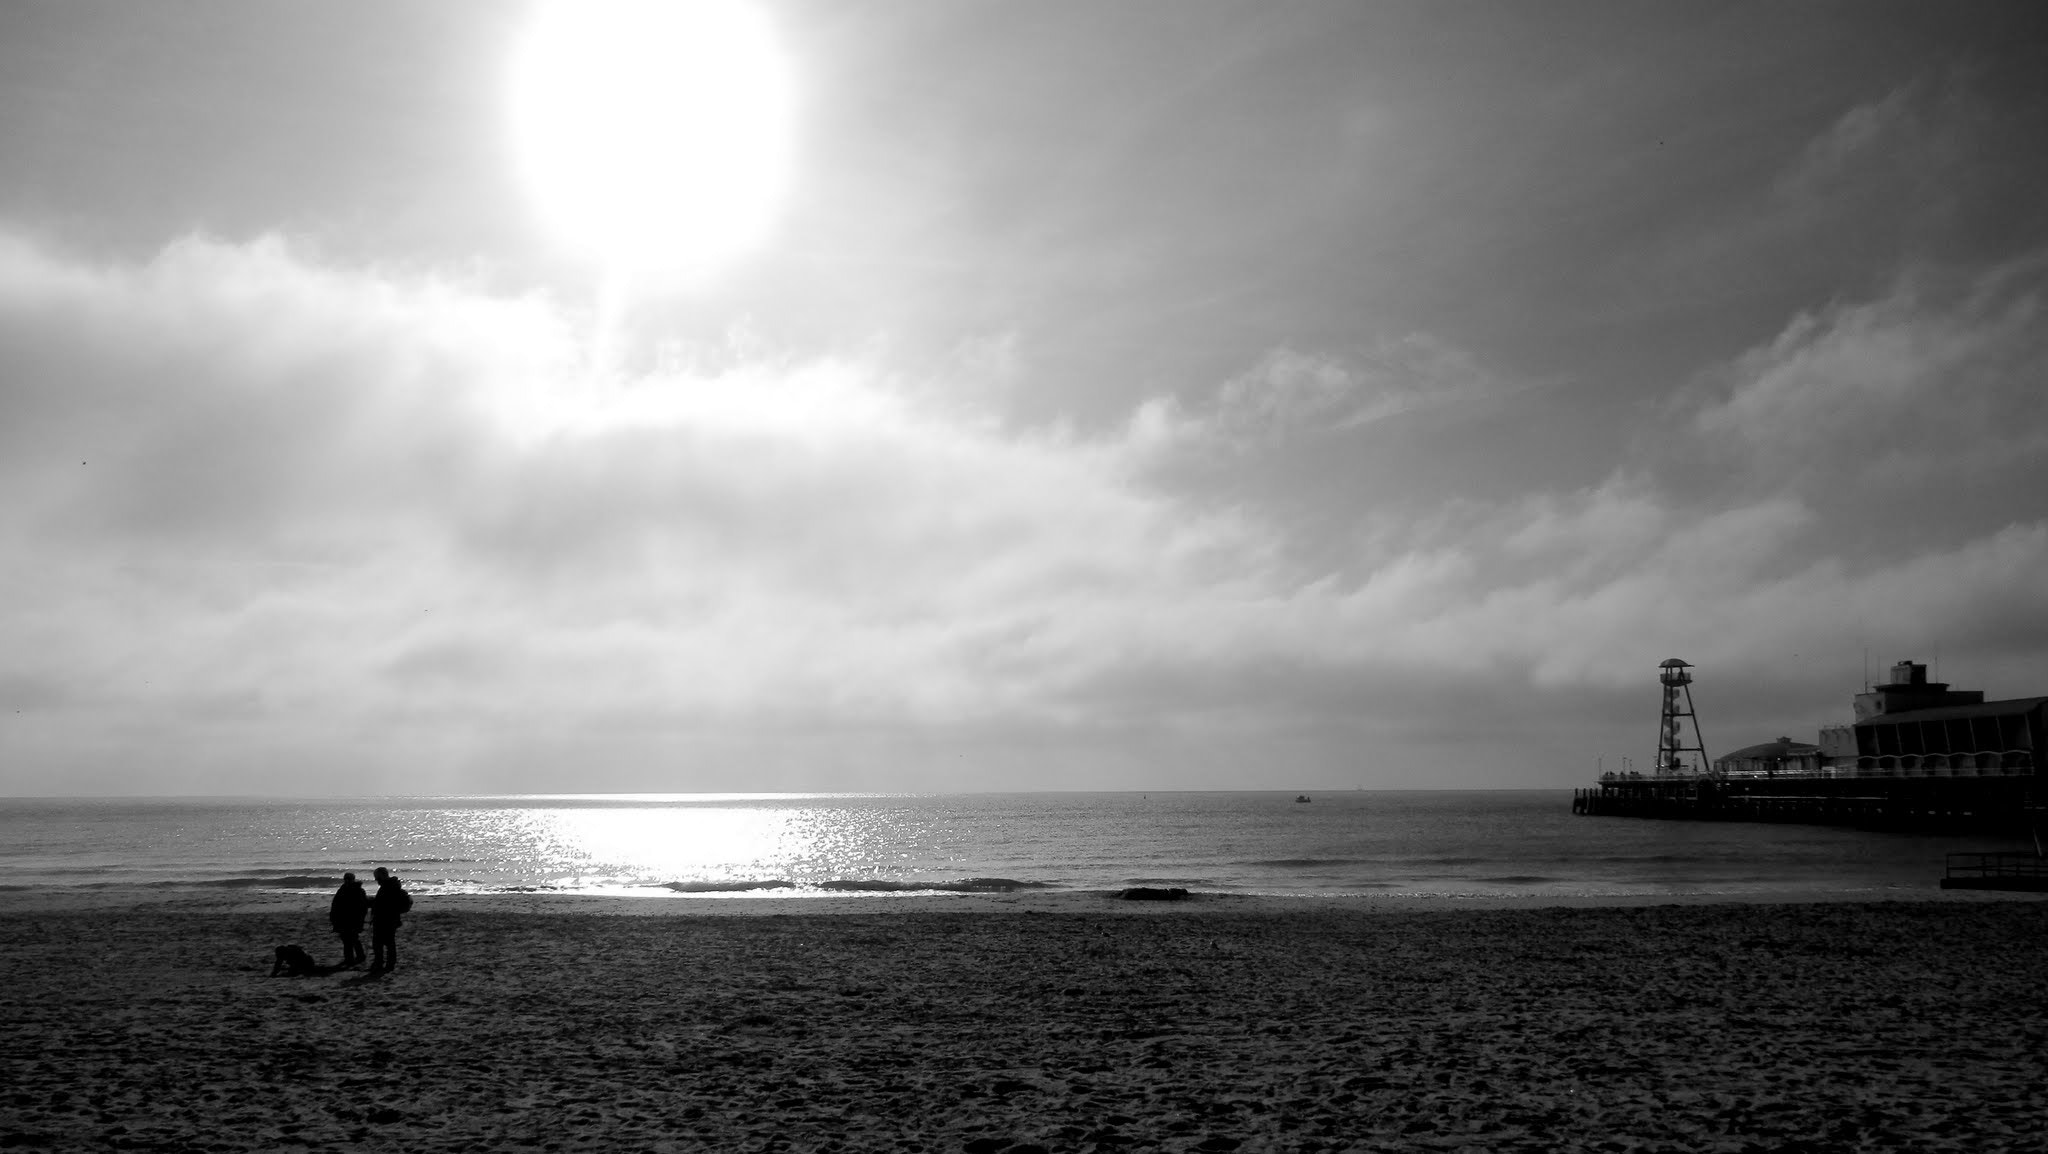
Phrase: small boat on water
(1301, 799)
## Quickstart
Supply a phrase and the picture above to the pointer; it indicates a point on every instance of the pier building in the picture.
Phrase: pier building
(1913, 727)
(1917, 755)
(1771, 759)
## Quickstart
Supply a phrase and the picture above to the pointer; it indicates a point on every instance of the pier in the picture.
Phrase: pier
(1919, 757)
(2000, 805)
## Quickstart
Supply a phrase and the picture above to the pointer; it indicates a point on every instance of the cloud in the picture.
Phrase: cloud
(1903, 131)
(1925, 174)
(221, 391)
(276, 517)
(1929, 382)
(1290, 393)
(334, 498)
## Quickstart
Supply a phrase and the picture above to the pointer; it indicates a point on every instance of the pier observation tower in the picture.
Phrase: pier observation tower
(1675, 756)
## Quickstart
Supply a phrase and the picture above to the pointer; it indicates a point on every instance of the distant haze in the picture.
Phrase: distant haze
(1071, 395)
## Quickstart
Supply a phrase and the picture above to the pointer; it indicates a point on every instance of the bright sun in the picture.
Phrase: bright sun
(653, 134)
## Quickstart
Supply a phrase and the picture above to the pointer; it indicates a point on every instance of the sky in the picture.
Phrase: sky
(968, 396)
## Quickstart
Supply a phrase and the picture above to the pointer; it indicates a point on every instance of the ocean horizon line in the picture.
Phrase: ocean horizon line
(766, 795)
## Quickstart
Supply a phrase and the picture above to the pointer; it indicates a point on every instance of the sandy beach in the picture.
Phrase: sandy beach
(1084, 1024)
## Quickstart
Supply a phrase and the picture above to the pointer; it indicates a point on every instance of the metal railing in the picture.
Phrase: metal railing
(1832, 772)
(1997, 865)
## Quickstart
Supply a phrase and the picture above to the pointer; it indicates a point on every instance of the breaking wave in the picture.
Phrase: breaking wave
(244, 882)
(1306, 862)
(963, 886)
(858, 886)
(728, 887)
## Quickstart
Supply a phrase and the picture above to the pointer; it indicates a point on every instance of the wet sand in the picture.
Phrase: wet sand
(1083, 1024)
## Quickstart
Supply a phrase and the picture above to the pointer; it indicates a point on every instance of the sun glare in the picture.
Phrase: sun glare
(652, 135)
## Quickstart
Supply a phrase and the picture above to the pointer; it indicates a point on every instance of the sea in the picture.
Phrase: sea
(705, 847)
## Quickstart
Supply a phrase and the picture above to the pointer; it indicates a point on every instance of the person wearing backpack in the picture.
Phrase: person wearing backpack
(386, 910)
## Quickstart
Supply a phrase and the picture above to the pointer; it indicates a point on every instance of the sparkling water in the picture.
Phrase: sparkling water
(1423, 843)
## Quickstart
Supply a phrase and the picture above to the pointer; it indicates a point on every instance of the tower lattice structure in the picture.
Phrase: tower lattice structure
(1675, 755)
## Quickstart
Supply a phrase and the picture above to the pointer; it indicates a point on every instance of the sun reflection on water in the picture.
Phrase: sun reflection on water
(708, 847)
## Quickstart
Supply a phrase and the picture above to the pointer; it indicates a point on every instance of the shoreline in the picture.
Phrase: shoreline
(661, 902)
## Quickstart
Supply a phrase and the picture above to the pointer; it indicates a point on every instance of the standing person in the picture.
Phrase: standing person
(346, 913)
(386, 909)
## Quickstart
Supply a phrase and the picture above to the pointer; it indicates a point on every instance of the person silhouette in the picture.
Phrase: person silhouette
(346, 913)
(386, 909)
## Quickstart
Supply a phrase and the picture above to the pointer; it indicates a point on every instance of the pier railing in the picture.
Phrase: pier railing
(2016, 765)
(2007, 806)
(1996, 871)
(1997, 865)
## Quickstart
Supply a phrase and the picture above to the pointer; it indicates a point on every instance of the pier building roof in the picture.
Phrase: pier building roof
(1773, 750)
